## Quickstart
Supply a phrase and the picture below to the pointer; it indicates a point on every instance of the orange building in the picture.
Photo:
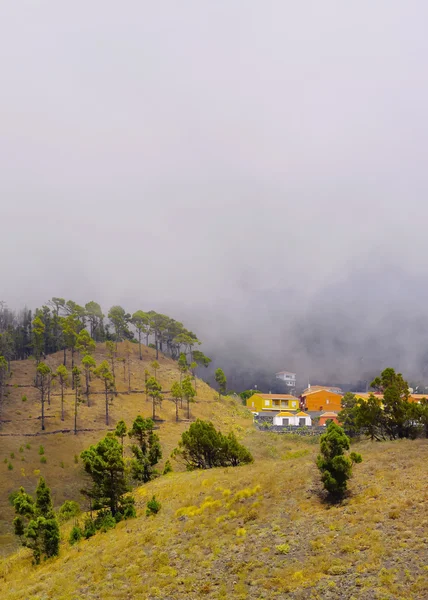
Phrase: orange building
(328, 416)
(322, 399)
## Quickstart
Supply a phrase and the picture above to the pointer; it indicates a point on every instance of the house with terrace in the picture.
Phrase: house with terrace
(271, 403)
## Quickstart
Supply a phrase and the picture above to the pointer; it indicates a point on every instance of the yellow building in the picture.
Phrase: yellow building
(270, 402)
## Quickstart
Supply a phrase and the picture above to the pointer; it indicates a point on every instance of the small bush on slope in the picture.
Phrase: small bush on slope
(202, 447)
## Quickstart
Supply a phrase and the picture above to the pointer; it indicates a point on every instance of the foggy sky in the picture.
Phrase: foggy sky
(258, 169)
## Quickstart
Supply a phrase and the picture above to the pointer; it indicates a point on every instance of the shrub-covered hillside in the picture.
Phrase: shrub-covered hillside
(255, 531)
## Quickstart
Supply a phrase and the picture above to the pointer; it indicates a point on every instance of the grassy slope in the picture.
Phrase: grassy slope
(60, 470)
(259, 531)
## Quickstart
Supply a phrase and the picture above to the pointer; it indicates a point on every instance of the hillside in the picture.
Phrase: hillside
(21, 435)
(259, 531)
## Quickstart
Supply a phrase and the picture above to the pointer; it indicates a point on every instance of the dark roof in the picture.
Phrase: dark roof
(270, 413)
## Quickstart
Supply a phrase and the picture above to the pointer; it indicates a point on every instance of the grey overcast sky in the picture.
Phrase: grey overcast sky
(258, 168)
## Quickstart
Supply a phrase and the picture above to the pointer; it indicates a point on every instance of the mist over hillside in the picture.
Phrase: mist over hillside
(270, 191)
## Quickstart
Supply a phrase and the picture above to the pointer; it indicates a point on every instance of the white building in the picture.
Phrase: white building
(288, 378)
(301, 419)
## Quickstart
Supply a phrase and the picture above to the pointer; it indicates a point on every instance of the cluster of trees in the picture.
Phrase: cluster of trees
(203, 447)
(36, 524)
(112, 469)
(48, 379)
(56, 325)
(390, 415)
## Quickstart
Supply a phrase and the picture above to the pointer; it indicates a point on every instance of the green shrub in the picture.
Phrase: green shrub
(28, 446)
(69, 509)
(76, 535)
(12, 455)
(153, 507)
(41, 450)
(167, 468)
(104, 521)
(24, 398)
(10, 466)
(89, 528)
(202, 447)
(21, 449)
(43, 459)
(283, 549)
(335, 466)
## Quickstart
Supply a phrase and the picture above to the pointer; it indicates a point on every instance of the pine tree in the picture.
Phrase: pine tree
(220, 378)
(43, 383)
(105, 465)
(154, 390)
(147, 450)
(334, 464)
(36, 523)
(189, 393)
(120, 431)
(177, 396)
(103, 372)
(62, 375)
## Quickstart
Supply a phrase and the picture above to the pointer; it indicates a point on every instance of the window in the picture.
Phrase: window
(266, 402)
(302, 422)
(285, 421)
(327, 401)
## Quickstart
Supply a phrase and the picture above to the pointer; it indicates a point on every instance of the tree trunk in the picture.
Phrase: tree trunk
(72, 367)
(65, 357)
(139, 344)
(176, 410)
(157, 347)
(49, 394)
(43, 411)
(129, 376)
(188, 408)
(107, 406)
(75, 409)
(62, 403)
(154, 409)
(87, 387)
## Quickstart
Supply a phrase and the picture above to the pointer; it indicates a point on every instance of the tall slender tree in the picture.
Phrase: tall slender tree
(154, 390)
(43, 383)
(177, 396)
(155, 366)
(221, 380)
(188, 393)
(95, 317)
(112, 356)
(182, 365)
(3, 375)
(76, 373)
(38, 338)
(89, 365)
(140, 320)
(106, 376)
(119, 318)
(62, 375)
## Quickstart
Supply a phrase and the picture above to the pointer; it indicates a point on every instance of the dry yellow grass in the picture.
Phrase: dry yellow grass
(60, 469)
(259, 531)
